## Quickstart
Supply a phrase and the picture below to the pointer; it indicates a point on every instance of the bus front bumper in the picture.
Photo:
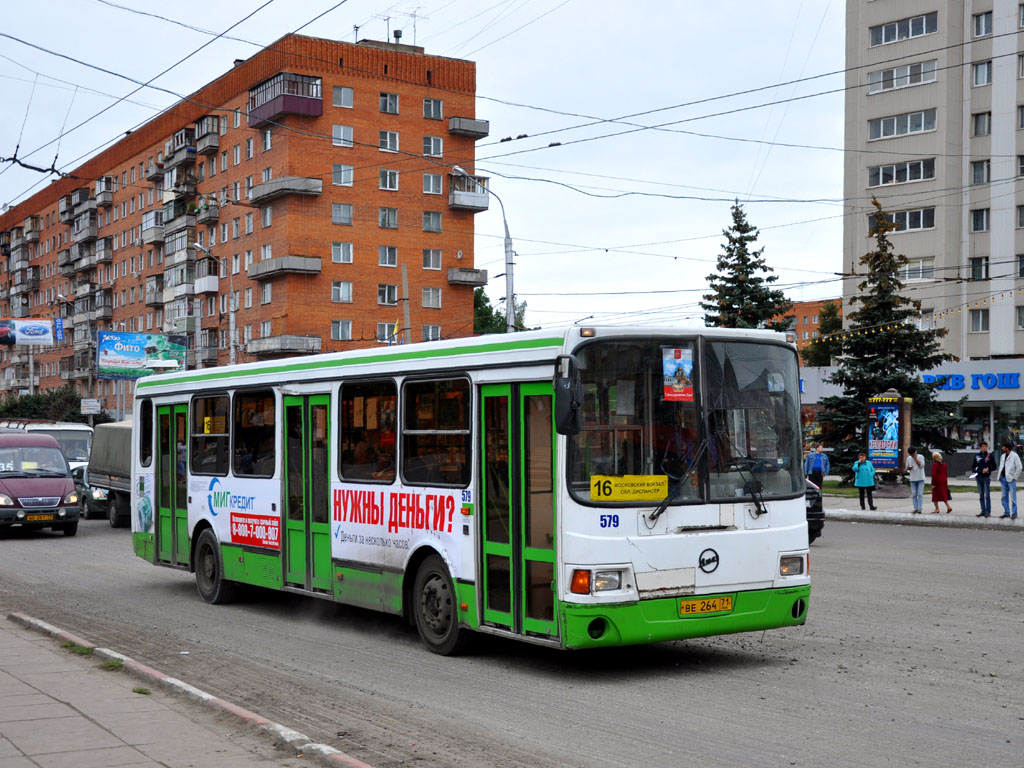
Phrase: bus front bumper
(659, 620)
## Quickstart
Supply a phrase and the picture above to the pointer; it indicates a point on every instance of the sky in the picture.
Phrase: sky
(661, 113)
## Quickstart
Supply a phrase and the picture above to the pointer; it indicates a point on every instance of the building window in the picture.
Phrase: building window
(267, 215)
(388, 141)
(979, 267)
(980, 172)
(922, 218)
(342, 176)
(432, 298)
(388, 179)
(895, 31)
(266, 252)
(431, 258)
(979, 321)
(1020, 217)
(387, 294)
(902, 77)
(1020, 65)
(248, 298)
(341, 135)
(432, 184)
(238, 118)
(341, 253)
(1020, 318)
(266, 328)
(266, 175)
(1020, 265)
(981, 124)
(982, 73)
(235, 227)
(900, 173)
(979, 220)
(387, 256)
(236, 154)
(341, 213)
(433, 146)
(386, 332)
(341, 292)
(389, 103)
(268, 141)
(342, 97)
(899, 125)
(431, 221)
(266, 293)
(983, 24)
(387, 218)
(341, 330)
(431, 332)
(248, 149)
(918, 269)
(248, 223)
(432, 109)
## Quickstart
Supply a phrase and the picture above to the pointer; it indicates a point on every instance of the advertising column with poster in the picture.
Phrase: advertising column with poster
(888, 431)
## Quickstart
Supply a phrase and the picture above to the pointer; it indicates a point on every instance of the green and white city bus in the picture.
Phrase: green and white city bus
(580, 488)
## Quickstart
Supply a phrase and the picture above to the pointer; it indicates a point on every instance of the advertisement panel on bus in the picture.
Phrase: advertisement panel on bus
(130, 355)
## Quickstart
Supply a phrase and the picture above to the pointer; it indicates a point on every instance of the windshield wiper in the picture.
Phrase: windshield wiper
(660, 509)
(45, 473)
(755, 493)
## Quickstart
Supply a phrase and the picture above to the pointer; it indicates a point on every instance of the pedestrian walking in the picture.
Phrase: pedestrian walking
(940, 483)
(915, 474)
(816, 466)
(1009, 471)
(864, 478)
(982, 468)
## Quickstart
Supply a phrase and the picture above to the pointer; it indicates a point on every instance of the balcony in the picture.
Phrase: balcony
(283, 345)
(207, 355)
(468, 193)
(83, 344)
(286, 185)
(184, 290)
(103, 312)
(105, 191)
(181, 256)
(467, 126)
(207, 284)
(31, 229)
(154, 172)
(208, 214)
(84, 228)
(84, 288)
(104, 250)
(207, 135)
(180, 325)
(65, 210)
(462, 276)
(285, 94)
(283, 265)
(17, 238)
(154, 296)
(181, 149)
(81, 316)
(152, 227)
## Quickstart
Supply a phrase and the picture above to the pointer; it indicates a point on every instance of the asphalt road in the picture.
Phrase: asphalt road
(911, 656)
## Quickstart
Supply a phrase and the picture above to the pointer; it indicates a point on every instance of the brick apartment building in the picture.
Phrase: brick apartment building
(804, 319)
(310, 189)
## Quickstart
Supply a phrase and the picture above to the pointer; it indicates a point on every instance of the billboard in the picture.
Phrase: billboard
(26, 330)
(129, 355)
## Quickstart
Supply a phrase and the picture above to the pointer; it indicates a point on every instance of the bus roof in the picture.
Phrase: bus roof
(522, 348)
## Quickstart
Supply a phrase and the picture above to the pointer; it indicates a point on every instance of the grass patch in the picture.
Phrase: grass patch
(833, 488)
(143, 691)
(81, 650)
(112, 665)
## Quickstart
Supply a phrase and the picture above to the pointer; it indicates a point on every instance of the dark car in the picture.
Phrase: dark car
(815, 511)
(36, 489)
(94, 501)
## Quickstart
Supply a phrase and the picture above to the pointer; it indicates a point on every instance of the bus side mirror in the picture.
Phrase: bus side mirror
(568, 395)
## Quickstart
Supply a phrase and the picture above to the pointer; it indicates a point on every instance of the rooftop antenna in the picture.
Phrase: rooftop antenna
(355, 29)
(413, 15)
(387, 22)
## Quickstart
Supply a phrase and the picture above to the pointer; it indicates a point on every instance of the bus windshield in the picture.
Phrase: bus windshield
(713, 423)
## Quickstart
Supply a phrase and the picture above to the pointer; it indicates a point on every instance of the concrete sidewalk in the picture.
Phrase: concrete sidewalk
(901, 511)
(59, 709)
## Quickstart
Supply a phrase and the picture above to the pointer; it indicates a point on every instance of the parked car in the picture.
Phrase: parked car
(36, 489)
(93, 500)
(815, 511)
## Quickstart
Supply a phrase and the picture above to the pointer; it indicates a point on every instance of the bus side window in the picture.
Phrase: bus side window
(253, 433)
(436, 432)
(146, 433)
(367, 431)
(209, 435)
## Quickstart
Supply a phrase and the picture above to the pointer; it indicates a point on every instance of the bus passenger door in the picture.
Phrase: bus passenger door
(518, 512)
(307, 524)
(172, 544)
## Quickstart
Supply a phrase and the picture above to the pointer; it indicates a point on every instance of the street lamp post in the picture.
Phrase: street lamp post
(510, 308)
(231, 306)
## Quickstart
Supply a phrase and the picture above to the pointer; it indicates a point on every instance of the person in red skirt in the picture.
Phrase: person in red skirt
(940, 483)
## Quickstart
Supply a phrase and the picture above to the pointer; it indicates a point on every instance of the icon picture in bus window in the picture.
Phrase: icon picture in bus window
(677, 373)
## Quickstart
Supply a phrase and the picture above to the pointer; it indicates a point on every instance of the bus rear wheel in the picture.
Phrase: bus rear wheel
(213, 588)
(435, 609)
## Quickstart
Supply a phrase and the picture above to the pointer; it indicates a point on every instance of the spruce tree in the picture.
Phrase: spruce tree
(829, 343)
(741, 294)
(882, 349)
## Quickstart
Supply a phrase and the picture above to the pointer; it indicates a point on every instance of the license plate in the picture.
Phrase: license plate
(699, 605)
(37, 518)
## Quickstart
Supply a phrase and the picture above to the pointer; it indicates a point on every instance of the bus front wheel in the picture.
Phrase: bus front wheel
(210, 581)
(435, 609)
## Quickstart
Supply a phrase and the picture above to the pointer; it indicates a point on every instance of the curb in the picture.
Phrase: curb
(924, 519)
(282, 736)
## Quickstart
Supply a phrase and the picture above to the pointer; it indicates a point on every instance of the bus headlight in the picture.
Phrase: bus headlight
(6, 501)
(71, 498)
(607, 580)
(791, 565)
